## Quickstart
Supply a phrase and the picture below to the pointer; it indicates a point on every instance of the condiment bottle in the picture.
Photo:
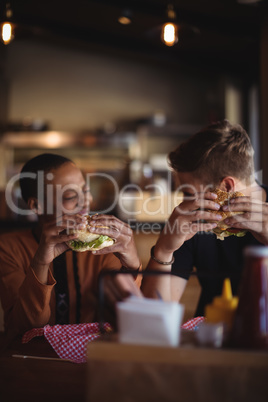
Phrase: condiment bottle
(250, 329)
(223, 307)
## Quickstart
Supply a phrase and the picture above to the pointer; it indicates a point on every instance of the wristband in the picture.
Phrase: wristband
(159, 261)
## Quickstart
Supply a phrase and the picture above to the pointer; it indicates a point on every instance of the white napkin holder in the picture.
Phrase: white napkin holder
(144, 321)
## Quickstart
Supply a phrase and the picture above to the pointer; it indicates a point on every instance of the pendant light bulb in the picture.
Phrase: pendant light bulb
(169, 33)
(125, 17)
(7, 33)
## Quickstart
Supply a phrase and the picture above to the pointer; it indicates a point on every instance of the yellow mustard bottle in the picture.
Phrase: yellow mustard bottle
(223, 307)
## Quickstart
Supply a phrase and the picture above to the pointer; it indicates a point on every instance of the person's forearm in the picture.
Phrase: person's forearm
(129, 260)
(133, 265)
(158, 286)
(40, 270)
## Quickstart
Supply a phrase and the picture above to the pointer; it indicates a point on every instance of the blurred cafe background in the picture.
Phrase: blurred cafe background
(94, 80)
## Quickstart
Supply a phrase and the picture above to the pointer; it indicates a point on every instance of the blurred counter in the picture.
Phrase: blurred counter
(145, 206)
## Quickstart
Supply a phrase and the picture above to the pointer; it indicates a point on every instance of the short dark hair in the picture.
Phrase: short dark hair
(219, 150)
(43, 162)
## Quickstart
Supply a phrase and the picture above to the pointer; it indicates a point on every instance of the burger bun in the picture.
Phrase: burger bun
(88, 241)
(223, 230)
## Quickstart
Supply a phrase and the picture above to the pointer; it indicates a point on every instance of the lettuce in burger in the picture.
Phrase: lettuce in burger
(89, 241)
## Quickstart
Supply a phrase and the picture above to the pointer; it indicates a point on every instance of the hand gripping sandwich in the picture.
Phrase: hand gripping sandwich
(222, 230)
(89, 241)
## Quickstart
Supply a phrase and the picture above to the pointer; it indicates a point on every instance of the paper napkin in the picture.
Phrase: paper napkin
(149, 321)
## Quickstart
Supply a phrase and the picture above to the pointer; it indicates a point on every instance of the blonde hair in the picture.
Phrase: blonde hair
(217, 151)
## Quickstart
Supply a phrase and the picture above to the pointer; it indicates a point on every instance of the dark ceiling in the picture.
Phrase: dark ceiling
(221, 33)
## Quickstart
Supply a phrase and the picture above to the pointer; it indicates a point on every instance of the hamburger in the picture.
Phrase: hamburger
(87, 241)
(223, 230)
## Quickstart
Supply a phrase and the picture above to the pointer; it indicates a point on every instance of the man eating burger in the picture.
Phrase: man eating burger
(218, 156)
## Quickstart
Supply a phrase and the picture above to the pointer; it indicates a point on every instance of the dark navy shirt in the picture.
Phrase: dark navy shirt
(214, 260)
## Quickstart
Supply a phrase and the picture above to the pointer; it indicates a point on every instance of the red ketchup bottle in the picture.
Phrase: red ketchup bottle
(250, 328)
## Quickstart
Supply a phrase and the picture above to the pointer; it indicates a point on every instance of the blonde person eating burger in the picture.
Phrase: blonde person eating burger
(42, 280)
(220, 156)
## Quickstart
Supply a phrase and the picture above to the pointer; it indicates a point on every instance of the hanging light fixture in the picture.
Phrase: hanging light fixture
(7, 28)
(169, 34)
(125, 17)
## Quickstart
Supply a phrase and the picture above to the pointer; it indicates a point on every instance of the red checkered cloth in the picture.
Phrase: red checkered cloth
(193, 323)
(68, 341)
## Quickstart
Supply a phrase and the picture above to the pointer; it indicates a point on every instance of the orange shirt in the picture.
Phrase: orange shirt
(26, 302)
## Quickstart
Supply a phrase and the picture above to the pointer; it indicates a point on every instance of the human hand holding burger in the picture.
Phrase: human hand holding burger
(227, 227)
(52, 241)
(87, 239)
(249, 214)
(107, 234)
(197, 212)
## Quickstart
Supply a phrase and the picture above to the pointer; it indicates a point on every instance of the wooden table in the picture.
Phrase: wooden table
(134, 373)
(37, 380)
(131, 373)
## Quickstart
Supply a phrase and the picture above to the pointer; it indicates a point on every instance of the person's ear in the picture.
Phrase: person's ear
(227, 184)
(34, 205)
